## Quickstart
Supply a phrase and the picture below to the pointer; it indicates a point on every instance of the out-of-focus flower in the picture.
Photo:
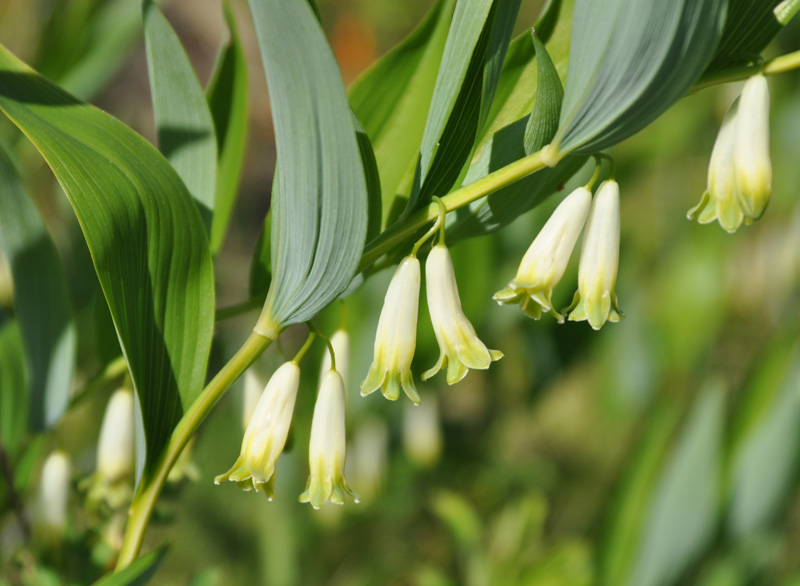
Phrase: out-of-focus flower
(340, 341)
(367, 457)
(459, 346)
(266, 433)
(112, 482)
(740, 170)
(751, 148)
(328, 445)
(721, 200)
(396, 337)
(596, 300)
(546, 260)
(50, 516)
(422, 432)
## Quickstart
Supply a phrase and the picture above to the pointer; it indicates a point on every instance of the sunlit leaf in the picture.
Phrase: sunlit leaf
(144, 233)
(185, 128)
(41, 300)
(319, 198)
(229, 102)
(392, 99)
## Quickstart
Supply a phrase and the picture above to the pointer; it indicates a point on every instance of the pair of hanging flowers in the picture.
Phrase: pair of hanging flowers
(740, 170)
(546, 260)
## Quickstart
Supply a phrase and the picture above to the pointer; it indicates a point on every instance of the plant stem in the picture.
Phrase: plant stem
(455, 199)
(780, 64)
(145, 500)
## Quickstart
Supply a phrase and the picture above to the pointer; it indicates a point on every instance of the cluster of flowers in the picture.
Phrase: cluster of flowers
(544, 263)
(740, 171)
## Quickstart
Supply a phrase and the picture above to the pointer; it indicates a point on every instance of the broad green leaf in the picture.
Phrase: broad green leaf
(748, 28)
(13, 388)
(629, 62)
(111, 34)
(683, 511)
(41, 300)
(543, 121)
(144, 233)
(466, 82)
(320, 198)
(183, 120)
(765, 440)
(392, 99)
(229, 102)
(138, 573)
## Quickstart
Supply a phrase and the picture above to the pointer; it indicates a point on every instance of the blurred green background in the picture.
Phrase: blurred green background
(661, 450)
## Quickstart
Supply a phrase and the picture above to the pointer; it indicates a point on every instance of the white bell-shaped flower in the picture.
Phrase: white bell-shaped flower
(546, 260)
(328, 445)
(112, 481)
(266, 433)
(596, 300)
(459, 346)
(396, 337)
(50, 516)
(751, 148)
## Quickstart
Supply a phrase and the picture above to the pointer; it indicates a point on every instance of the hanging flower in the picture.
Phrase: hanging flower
(460, 348)
(751, 148)
(721, 199)
(266, 433)
(396, 337)
(546, 260)
(328, 445)
(112, 481)
(50, 517)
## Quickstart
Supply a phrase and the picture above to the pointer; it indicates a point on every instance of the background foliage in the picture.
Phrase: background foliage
(662, 450)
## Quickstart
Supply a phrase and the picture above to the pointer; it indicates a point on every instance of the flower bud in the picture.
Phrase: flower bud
(51, 504)
(328, 445)
(459, 346)
(596, 300)
(751, 148)
(396, 337)
(266, 433)
(112, 482)
(546, 260)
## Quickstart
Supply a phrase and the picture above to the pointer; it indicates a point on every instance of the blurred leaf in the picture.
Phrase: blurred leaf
(41, 300)
(320, 198)
(683, 510)
(24, 465)
(138, 573)
(261, 265)
(145, 236)
(629, 62)
(460, 517)
(183, 120)
(229, 103)
(392, 99)
(111, 34)
(749, 27)
(465, 85)
(13, 390)
(765, 441)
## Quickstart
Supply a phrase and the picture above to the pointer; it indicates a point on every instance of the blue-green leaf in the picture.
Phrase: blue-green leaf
(41, 300)
(319, 198)
(630, 61)
(185, 128)
(229, 102)
(145, 236)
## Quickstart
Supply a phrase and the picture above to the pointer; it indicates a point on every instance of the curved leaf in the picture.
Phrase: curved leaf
(41, 300)
(138, 573)
(629, 62)
(228, 99)
(320, 197)
(183, 120)
(144, 233)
